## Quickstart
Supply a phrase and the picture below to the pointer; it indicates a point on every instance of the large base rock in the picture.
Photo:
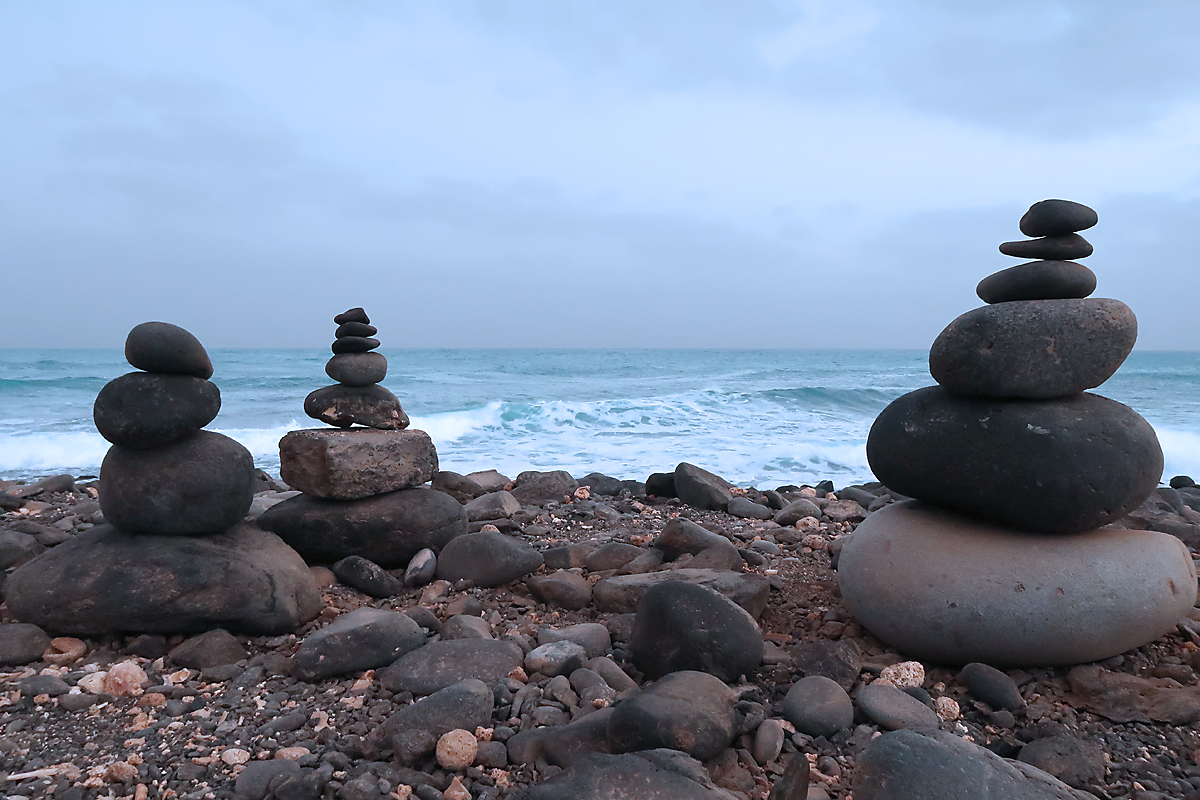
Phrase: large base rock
(388, 529)
(949, 589)
(1060, 466)
(351, 464)
(108, 581)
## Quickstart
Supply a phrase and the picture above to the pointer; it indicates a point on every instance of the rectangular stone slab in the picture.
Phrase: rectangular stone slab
(357, 462)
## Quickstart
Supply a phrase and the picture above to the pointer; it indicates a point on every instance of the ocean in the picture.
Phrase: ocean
(757, 417)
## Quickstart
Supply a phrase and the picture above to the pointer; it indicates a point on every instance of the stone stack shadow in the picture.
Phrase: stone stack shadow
(1002, 556)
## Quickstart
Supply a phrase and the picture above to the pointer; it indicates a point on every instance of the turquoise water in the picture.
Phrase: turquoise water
(763, 417)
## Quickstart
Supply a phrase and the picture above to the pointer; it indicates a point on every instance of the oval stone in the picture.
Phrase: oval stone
(358, 369)
(352, 315)
(200, 484)
(1056, 466)
(354, 344)
(1035, 349)
(1037, 280)
(1056, 217)
(948, 589)
(343, 406)
(1053, 248)
(142, 410)
(355, 329)
(163, 347)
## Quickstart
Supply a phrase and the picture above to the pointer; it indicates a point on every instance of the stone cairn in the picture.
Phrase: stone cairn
(173, 554)
(362, 487)
(1003, 557)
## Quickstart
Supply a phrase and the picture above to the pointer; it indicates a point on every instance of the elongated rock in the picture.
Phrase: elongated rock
(1058, 466)
(1057, 217)
(1055, 248)
(351, 464)
(1037, 280)
(343, 406)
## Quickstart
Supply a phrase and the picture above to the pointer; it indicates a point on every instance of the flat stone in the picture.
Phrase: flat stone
(621, 593)
(1073, 761)
(986, 683)
(357, 369)
(388, 529)
(443, 663)
(21, 643)
(818, 706)
(197, 485)
(1035, 349)
(684, 626)
(352, 315)
(944, 588)
(489, 480)
(142, 410)
(1059, 466)
(840, 661)
(365, 638)
(487, 559)
(611, 555)
(561, 589)
(355, 328)
(213, 648)
(163, 347)
(1057, 217)
(934, 765)
(534, 488)
(412, 732)
(105, 580)
(653, 774)
(1037, 280)
(702, 489)
(494, 505)
(681, 536)
(893, 709)
(747, 509)
(358, 463)
(369, 406)
(367, 577)
(1050, 248)
(1130, 698)
(354, 344)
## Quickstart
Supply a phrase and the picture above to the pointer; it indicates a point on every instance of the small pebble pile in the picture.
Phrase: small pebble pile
(1017, 467)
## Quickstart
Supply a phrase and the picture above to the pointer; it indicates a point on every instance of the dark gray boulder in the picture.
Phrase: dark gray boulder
(163, 347)
(653, 775)
(367, 577)
(934, 765)
(534, 488)
(701, 489)
(200, 484)
(818, 706)
(487, 559)
(661, 484)
(365, 638)
(440, 664)
(797, 510)
(684, 626)
(1050, 248)
(744, 508)
(1037, 280)
(356, 314)
(681, 536)
(1035, 349)
(563, 745)
(1056, 217)
(213, 648)
(493, 505)
(357, 369)
(412, 732)
(106, 580)
(140, 410)
(621, 593)
(388, 529)
(1056, 466)
(342, 406)
(21, 643)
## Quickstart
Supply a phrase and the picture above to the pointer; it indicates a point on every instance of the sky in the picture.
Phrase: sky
(548, 173)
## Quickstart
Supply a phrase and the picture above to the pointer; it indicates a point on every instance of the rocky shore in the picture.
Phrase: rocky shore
(680, 637)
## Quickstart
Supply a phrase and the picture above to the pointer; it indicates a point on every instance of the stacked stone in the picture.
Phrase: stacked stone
(362, 487)
(1015, 468)
(172, 556)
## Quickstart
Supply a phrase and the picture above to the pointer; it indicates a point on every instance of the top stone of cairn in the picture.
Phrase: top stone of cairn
(1056, 218)
(166, 348)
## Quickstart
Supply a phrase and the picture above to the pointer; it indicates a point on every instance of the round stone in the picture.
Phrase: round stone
(1035, 349)
(354, 344)
(357, 369)
(1058, 466)
(1054, 248)
(163, 347)
(200, 484)
(142, 410)
(342, 406)
(456, 749)
(949, 589)
(1037, 280)
(355, 329)
(1056, 217)
(818, 706)
(352, 315)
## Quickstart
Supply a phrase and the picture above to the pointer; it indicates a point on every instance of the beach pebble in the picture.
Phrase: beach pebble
(355, 328)
(1057, 217)
(413, 731)
(702, 489)
(342, 406)
(141, 410)
(440, 664)
(234, 756)
(893, 709)
(1072, 760)
(163, 347)
(21, 643)
(621, 593)
(612, 555)
(456, 790)
(367, 577)
(1037, 280)
(796, 510)
(818, 706)
(365, 638)
(683, 626)
(354, 344)
(1049, 248)
(357, 369)
(210, 649)
(555, 658)
(747, 509)
(421, 569)
(561, 589)
(768, 741)
(593, 637)
(456, 749)
(487, 559)
(992, 686)
(64, 650)
(125, 678)
(465, 626)
(494, 505)
(946, 708)
(36, 685)
(906, 673)
(533, 488)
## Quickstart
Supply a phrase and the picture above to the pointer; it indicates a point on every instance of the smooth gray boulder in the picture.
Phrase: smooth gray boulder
(440, 664)
(649, 775)
(893, 709)
(365, 638)
(685, 626)
(493, 505)
(21, 643)
(949, 589)
(533, 488)
(487, 559)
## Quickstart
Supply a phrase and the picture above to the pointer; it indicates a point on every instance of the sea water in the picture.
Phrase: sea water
(758, 417)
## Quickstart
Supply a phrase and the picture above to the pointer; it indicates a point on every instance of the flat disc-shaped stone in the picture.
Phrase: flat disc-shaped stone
(355, 329)
(352, 315)
(1037, 280)
(1052, 248)
(1034, 349)
(354, 344)
(142, 410)
(944, 588)
(343, 406)
(163, 347)
(357, 369)
(1056, 217)
(1054, 466)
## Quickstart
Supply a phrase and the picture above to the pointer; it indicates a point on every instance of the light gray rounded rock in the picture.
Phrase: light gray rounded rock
(950, 589)
(893, 709)
(818, 706)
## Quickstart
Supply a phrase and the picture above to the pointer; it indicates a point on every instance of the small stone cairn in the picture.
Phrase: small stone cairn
(361, 481)
(1002, 557)
(173, 555)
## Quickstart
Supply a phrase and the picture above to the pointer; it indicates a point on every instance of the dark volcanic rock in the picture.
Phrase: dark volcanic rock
(621, 593)
(365, 638)
(388, 529)
(1073, 761)
(1057, 217)
(352, 464)
(343, 406)
(460, 487)
(1130, 698)
(163, 347)
(21, 642)
(443, 663)
(1049, 248)
(413, 731)
(893, 709)
(210, 649)
(701, 489)
(992, 686)
(681, 536)
(16, 548)
(649, 775)
(352, 315)
(200, 484)
(1035, 349)
(354, 344)
(683, 626)
(367, 577)
(487, 559)
(355, 328)
(661, 484)
(109, 581)
(357, 369)
(818, 706)
(538, 488)
(141, 410)
(1059, 466)
(1037, 280)
(933, 765)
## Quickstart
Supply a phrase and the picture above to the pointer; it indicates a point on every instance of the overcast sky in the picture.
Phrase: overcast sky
(569, 174)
